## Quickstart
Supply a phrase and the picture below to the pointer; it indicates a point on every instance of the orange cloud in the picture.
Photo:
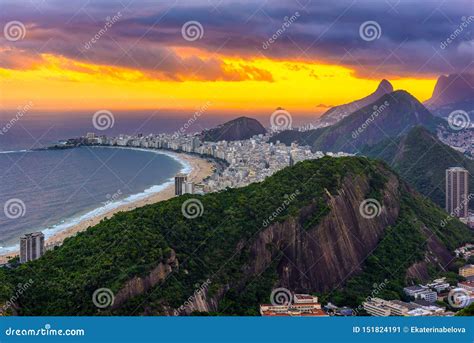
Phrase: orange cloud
(59, 83)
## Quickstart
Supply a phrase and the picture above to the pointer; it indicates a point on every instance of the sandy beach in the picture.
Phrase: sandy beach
(201, 169)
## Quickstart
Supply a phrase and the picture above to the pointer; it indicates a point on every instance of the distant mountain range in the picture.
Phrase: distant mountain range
(422, 159)
(452, 89)
(453, 92)
(392, 115)
(337, 113)
(234, 130)
(308, 228)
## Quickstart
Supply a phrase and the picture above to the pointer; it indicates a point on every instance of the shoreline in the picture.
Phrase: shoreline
(198, 169)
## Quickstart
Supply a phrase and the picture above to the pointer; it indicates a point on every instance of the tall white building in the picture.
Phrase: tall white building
(457, 192)
(179, 181)
(31, 246)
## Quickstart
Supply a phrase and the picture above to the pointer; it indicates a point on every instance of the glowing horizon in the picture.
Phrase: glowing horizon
(59, 83)
(252, 57)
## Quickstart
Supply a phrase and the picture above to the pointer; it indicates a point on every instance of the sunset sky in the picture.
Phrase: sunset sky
(142, 59)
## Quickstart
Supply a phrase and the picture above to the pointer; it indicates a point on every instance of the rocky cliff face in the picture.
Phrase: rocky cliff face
(141, 285)
(321, 257)
(452, 89)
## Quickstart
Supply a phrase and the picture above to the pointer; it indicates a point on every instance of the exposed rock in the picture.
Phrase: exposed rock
(140, 285)
(452, 89)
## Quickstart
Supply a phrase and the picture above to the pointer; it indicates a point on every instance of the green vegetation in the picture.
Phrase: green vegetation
(402, 112)
(402, 245)
(215, 246)
(468, 311)
(421, 159)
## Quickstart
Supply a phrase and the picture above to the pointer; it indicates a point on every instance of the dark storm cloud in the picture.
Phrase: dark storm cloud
(412, 33)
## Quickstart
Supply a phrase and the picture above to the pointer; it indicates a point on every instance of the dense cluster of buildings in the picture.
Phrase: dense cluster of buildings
(301, 305)
(424, 298)
(462, 140)
(467, 272)
(384, 308)
(428, 292)
(248, 161)
(465, 251)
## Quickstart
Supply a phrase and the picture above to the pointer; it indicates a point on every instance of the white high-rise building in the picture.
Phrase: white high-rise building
(179, 181)
(457, 192)
(31, 246)
(188, 187)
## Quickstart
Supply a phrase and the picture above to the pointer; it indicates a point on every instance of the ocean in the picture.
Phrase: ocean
(50, 190)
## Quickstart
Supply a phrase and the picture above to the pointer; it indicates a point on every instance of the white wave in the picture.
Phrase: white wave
(70, 222)
(14, 151)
